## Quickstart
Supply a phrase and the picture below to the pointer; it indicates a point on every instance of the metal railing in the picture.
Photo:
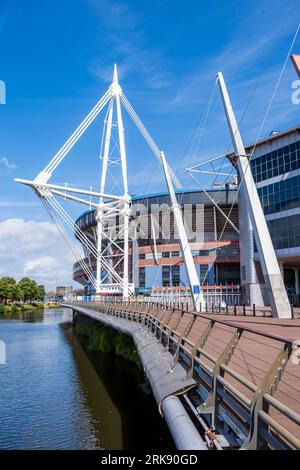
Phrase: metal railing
(235, 405)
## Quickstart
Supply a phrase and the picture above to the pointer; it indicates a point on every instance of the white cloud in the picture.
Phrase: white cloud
(6, 165)
(34, 249)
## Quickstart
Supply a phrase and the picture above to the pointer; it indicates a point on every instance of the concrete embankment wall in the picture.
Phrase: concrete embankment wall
(166, 380)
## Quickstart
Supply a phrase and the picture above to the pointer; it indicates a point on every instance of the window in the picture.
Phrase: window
(285, 232)
(175, 270)
(276, 163)
(280, 196)
(142, 273)
(166, 276)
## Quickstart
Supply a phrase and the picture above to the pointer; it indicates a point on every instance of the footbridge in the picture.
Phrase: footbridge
(220, 381)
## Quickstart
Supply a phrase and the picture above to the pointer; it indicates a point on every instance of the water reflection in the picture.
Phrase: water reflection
(55, 396)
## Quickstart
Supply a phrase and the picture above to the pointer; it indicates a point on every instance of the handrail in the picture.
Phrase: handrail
(292, 415)
(279, 429)
(218, 376)
(226, 323)
(234, 390)
(239, 378)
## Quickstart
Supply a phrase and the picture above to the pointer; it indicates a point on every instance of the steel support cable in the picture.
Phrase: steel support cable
(84, 239)
(82, 263)
(68, 241)
(193, 149)
(264, 118)
(147, 136)
(115, 266)
(245, 111)
(112, 241)
(201, 129)
(259, 79)
(58, 157)
(72, 225)
(275, 90)
(104, 129)
(267, 110)
(86, 242)
(78, 132)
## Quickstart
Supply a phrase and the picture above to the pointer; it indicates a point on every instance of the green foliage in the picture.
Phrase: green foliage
(7, 289)
(40, 295)
(29, 288)
(18, 308)
(101, 339)
(83, 330)
(107, 340)
(26, 290)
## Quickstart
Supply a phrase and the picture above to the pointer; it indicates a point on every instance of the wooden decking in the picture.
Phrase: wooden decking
(254, 354)
(260, 342)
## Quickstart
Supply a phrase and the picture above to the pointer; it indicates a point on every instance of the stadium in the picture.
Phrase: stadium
(156, 266)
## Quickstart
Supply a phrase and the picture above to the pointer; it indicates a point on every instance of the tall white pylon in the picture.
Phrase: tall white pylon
(196, 294)
(273, 280)
(124, 208)
(107, 205)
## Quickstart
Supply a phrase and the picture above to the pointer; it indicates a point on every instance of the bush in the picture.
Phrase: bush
(107, 340)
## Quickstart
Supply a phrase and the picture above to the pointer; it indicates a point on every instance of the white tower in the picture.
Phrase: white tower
(252, 207)
(108, 206)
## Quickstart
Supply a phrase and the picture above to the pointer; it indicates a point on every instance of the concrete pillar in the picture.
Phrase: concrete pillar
(280, 263)
(251, 289)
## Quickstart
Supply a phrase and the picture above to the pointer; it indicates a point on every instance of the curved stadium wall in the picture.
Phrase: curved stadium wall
(156, 266)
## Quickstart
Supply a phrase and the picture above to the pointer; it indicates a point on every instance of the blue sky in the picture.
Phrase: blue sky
(57, 59)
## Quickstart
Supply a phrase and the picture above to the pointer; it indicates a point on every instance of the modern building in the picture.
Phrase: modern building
(275, 164)
(64, 292)
(220, 256)
(155, 261)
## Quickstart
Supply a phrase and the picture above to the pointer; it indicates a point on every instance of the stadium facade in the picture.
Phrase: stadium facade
(275, 166)
(155, 261)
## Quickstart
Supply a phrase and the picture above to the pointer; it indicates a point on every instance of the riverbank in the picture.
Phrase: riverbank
(20, 308)
(107, 340)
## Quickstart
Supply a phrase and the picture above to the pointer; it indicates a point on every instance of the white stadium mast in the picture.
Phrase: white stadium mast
(107, 206)
(276, 291)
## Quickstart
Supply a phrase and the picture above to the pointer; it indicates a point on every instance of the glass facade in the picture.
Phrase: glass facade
(285, 232)
(280, 196)
(276, 163)
(175, 271)
(142, 276)
(200, 213)
(166, 276)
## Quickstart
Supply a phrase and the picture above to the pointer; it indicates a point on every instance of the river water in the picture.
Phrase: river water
(53, 395)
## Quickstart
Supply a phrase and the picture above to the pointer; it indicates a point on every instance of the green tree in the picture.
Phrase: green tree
(29, 288)
(40, 295)
(18, 295)
(7, 288)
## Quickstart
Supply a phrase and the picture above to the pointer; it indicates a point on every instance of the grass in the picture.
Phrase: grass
(7, 309)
